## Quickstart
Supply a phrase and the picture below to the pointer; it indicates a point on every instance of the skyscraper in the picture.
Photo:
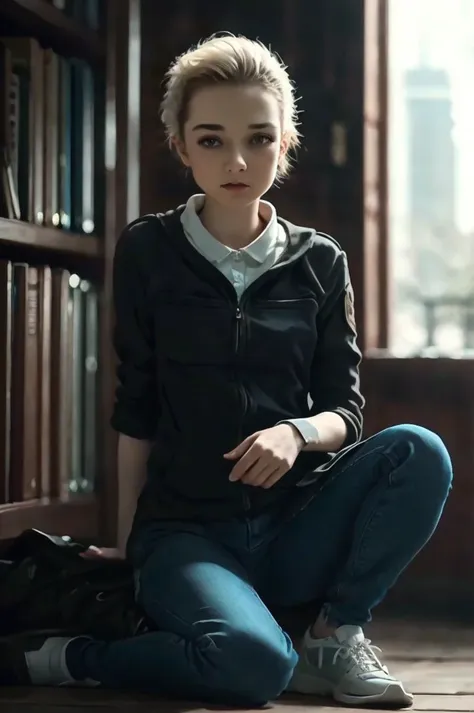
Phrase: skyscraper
(431, 158)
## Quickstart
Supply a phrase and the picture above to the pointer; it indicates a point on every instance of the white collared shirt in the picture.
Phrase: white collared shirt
(241, 267)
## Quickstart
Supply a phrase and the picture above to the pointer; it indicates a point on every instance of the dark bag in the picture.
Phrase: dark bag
(46, 585)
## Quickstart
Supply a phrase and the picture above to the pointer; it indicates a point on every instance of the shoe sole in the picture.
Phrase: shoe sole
(394, 695)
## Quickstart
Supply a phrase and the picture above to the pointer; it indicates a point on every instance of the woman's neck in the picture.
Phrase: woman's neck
(237, 228)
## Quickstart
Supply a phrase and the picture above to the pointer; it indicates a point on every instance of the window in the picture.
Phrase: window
(431, 177)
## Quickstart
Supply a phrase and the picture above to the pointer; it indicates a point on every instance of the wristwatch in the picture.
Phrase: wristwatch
(307, 431)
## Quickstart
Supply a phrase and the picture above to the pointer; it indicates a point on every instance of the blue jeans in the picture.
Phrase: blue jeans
(205, 586)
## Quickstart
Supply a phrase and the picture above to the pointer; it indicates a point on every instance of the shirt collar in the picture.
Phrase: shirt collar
(215, 251)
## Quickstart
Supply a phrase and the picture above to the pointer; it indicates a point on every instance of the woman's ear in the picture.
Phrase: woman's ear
(283, 146)
(180, 148)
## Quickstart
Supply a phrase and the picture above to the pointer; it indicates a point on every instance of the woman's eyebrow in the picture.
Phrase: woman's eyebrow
(264, 125)
(209, 127)
(219, 127)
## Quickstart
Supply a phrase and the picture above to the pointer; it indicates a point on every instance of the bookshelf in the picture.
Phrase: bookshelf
(79, 517)
(40, 19)
(40, 457)
(47, 240)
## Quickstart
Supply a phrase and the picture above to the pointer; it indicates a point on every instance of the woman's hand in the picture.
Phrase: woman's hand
(264, 457)
(103, 553)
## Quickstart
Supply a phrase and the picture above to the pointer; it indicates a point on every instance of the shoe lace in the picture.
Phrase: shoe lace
(362, 655)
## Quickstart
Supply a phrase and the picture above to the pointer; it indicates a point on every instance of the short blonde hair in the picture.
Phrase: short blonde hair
(229, 59)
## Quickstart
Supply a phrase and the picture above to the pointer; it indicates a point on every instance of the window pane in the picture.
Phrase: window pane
(431, 176)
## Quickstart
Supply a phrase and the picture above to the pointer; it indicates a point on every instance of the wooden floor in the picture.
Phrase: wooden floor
(435, 662)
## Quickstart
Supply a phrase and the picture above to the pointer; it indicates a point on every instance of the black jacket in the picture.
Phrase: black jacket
(199, 372)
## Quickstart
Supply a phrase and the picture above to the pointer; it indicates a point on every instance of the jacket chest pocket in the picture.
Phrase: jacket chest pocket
(194, 331)
(283, 332)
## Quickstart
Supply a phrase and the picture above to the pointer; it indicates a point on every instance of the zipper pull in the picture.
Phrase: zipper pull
(238, 317)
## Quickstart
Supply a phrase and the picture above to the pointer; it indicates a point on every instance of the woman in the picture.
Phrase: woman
(239, 388)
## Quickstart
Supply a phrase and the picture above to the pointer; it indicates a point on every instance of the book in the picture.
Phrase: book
(6, 276)
(25, 395)
(61, 365)
(46, 377)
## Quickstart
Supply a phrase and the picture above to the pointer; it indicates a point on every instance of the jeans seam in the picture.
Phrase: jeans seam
(353, 562)
(338, 473)
(356, 461)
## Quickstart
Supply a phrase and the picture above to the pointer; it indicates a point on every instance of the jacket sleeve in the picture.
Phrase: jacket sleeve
(135, 412)
(335, 381)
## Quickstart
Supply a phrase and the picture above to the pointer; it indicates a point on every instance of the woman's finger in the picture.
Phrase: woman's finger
(261, 476)
(92, 553)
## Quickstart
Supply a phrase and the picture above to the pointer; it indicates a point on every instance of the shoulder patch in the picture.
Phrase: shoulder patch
(349, 306)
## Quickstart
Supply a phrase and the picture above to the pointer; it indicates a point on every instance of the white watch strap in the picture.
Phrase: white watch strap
(307, 431)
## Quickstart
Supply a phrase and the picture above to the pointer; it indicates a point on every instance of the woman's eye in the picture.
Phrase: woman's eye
(262, 139)
(209, 142)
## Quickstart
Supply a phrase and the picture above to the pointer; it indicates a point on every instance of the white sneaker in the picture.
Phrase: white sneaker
(345, 667)
(46, 663)
(38, 659)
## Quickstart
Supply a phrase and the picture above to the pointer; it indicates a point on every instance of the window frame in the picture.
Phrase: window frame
(377, 279)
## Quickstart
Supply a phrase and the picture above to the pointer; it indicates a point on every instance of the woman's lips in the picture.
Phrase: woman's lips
(235, 186)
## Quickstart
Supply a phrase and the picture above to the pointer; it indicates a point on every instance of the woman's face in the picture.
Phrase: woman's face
(233, 141)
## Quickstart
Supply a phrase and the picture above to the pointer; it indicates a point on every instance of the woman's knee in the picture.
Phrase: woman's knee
(252, 668)
(248, 662)
(427, 451)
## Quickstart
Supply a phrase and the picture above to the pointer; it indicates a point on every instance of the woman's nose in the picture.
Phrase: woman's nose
(236, 161)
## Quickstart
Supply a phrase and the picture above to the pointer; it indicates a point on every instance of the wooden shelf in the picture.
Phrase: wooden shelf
(17, 232)
(77, 517)
(53, 28)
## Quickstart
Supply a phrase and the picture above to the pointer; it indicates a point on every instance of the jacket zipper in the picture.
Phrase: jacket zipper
(238, 323)
(238, 340)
